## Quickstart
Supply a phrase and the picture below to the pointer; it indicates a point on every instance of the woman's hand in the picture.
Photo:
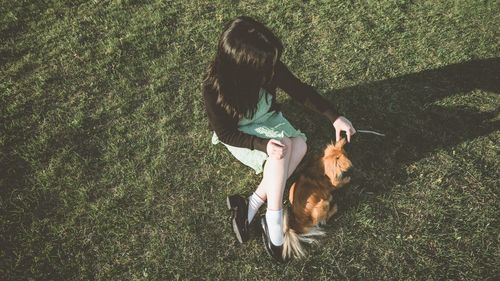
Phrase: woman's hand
(342, 124)
(276, 149)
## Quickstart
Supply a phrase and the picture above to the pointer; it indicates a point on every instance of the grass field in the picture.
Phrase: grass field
(108, 173)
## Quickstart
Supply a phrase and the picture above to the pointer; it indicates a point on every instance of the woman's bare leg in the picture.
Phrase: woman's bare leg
(275, 175)
(297, 151)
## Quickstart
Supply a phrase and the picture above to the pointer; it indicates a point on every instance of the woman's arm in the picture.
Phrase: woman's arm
(304, 93)
(226, 127)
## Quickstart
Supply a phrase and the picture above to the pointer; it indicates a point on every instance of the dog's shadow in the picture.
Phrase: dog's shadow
(420, 113)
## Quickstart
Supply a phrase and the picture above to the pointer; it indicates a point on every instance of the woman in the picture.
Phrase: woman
(240, 99)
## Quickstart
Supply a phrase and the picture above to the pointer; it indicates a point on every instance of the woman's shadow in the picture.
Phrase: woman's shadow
(419, 113)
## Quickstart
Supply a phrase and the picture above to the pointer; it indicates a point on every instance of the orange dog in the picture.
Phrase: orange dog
(311, 198)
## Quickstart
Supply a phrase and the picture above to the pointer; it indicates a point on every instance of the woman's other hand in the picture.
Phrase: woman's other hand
(276, 149)
(343, 124)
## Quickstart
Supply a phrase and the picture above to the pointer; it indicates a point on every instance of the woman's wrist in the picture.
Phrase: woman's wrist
(260, 144)
(331, 115)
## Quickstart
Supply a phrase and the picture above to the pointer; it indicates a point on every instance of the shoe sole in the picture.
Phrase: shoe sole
(235, 225)
(265, 232)
(264, 240)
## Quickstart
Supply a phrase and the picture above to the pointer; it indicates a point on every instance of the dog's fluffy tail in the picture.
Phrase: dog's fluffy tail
(292, 246)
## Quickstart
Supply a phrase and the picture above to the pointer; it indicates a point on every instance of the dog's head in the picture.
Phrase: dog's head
(337, 165)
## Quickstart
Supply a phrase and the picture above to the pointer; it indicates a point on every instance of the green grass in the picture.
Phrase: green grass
(108, 173)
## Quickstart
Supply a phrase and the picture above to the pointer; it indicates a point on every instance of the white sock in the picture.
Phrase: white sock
(254, 203)
(274, 221)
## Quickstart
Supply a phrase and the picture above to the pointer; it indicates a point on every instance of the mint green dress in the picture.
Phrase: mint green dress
(265, 124)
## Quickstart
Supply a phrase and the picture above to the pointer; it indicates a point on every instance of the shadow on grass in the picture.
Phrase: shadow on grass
(420, 113)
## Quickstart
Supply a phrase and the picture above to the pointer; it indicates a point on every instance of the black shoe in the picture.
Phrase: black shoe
(239, 207)
(275, 252)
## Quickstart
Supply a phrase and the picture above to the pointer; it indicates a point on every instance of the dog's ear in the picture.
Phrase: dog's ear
(291, 193)
(340, 143)
(330, 149)
(331, 169)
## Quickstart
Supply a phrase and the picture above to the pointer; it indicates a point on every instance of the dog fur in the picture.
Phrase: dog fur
(311, 198)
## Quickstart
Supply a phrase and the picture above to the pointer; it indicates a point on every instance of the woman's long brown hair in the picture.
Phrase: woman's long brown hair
(246, 56)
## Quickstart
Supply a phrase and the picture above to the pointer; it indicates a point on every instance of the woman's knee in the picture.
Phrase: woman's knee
(287, 141)
(299, 146)
(289, 145)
